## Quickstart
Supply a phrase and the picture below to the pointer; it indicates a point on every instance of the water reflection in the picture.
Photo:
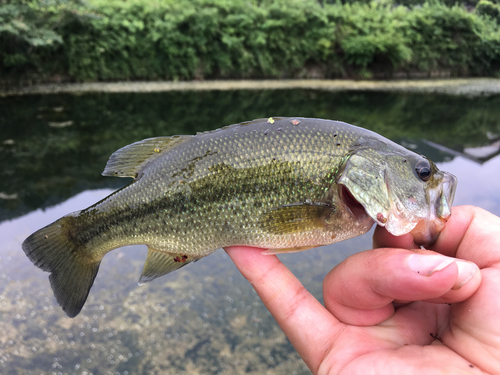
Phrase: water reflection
(204, 318)
(44, 164)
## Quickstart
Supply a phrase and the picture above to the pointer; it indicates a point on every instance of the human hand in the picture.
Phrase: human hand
(386, 312)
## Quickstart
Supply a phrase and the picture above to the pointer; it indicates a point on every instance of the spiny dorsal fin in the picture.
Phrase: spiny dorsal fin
(159, 263)
(269, 120)
(128, 161)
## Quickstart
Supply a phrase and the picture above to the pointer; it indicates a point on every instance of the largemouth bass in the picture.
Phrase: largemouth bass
(282, 184)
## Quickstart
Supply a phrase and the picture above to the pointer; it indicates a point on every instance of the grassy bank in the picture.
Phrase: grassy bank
(98, 40)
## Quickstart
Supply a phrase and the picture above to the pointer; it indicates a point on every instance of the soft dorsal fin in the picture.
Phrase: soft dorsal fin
(128, 161)
(159, 263)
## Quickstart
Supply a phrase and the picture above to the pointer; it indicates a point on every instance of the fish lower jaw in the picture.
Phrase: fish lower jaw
(426, 232)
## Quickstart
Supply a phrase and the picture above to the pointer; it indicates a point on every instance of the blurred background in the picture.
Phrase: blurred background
(82, 40)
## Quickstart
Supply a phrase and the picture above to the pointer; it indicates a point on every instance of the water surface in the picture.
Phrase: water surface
(203, 319)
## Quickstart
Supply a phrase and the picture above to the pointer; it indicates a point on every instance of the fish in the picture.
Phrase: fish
(282, 184)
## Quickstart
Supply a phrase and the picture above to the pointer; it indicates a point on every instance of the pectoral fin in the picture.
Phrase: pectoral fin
(159, 263)
(297, 217)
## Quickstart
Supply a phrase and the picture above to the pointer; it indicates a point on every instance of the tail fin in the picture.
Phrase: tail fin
(71, 266)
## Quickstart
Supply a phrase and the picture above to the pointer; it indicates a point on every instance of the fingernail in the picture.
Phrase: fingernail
(466, 270)
(428, 264)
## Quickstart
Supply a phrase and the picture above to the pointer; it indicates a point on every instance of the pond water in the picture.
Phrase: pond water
(203, 319)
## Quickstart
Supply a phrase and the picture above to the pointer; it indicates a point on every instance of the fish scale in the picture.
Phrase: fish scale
(284, 184)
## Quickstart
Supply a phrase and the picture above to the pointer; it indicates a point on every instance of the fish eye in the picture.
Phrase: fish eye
(423, 169)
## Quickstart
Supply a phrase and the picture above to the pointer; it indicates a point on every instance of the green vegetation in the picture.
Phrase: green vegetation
(489, 8)
(213, 39)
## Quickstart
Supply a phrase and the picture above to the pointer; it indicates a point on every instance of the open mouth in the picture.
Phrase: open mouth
(356, 208)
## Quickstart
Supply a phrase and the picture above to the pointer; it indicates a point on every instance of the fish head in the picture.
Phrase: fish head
(400, 190)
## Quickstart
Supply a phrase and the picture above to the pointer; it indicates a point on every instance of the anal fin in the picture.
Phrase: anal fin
(159, 263)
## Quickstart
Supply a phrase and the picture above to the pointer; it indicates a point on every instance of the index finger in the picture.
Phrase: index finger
(303, 319)
(472, 234)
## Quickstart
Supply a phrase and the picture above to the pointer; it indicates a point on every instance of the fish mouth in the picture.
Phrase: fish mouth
(424, 226)
(427, 231)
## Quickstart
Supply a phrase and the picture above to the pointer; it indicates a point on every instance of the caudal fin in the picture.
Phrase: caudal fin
(72, 269)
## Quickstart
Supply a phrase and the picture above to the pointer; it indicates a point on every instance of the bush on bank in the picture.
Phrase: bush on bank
(211, 39)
